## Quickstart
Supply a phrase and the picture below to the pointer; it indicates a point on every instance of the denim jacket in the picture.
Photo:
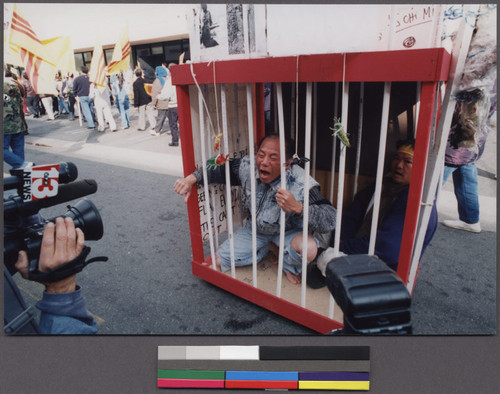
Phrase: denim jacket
(321, 212)
(65, 313)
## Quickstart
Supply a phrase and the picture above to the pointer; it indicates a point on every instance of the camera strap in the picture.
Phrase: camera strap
(65, 270)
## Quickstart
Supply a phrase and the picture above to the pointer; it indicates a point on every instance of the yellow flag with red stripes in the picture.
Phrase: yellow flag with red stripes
(60, 50)
(97, 72)
(38, 65)
(121, 54)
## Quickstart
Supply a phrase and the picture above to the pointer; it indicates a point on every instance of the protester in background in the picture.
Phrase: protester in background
(68, 92)
(81, 89)
(14, 125)
(102, 107)
(15, 79)
(142, 101)
(32, 99)
(120, 90)
(160, 100)
(471, 124)
(63, 108)
(172, 114)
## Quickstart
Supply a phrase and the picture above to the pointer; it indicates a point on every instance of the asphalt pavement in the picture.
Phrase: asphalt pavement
(147, 286)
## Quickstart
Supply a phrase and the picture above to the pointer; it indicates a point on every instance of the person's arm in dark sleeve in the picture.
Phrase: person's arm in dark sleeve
(353, 215)
(218, 174)
(184, 186)
(136, 95)
(388, 237)
(322, 214)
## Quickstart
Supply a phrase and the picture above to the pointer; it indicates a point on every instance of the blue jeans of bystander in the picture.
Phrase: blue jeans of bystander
(466, 190)
(87, 110)
(14, 158)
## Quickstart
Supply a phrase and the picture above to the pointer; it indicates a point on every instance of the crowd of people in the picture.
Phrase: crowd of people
(153, 97)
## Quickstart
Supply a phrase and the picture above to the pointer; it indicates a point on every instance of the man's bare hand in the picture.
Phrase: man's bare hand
(287, 201)
(61, 243)
(184, 186)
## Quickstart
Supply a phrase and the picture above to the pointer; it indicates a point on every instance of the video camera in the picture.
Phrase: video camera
(42, 187)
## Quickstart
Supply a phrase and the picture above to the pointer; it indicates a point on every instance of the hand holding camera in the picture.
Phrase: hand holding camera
(61, 242)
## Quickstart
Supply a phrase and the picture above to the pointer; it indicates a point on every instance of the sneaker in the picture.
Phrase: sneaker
(460, 225)
(154, 132)
(173, 144)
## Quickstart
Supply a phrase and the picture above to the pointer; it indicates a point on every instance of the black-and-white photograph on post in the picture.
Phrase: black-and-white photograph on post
(208, 29)
(227, 31)
(235, 33)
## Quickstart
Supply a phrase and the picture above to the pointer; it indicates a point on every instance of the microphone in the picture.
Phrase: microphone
(67, 173)
(69, 192)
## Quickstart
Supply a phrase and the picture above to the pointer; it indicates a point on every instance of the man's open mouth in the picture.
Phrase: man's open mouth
(264, 173)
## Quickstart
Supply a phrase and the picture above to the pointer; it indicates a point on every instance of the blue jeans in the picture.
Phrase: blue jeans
(123, 108)
(87, 110)
(292, 261)
(466, 191)
(14, 158)
(62, 105)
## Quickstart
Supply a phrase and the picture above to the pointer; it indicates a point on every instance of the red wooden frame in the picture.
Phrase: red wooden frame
(428, 66)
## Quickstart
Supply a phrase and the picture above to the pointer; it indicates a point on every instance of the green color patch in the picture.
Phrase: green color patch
(190, 374)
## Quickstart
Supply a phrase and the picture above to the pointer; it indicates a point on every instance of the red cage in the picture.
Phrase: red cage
(427, 66)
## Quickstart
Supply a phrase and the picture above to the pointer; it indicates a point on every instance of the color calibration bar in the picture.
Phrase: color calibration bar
(265, 367)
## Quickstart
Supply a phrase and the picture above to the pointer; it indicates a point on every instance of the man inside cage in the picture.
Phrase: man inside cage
(270, 200)
(357, 219)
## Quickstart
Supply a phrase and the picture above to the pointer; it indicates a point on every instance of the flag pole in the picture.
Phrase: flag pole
(79, 111)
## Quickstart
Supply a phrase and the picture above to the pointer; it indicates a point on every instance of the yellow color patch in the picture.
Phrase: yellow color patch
(333, 385)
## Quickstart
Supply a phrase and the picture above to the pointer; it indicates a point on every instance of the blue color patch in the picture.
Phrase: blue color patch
(261, 375)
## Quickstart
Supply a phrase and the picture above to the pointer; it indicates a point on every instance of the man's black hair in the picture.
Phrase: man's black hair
(84, 69)
(288, 144)
(138, 72)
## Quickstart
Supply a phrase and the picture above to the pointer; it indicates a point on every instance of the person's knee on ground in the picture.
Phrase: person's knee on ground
(312, 247)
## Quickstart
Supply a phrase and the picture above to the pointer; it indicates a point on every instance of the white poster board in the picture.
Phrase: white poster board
(237, 31)
(226, 31)
(237, 123)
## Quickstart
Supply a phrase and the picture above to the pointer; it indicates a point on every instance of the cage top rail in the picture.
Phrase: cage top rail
(424, 65)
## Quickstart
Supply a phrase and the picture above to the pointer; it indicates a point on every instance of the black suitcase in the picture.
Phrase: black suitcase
(372, 297)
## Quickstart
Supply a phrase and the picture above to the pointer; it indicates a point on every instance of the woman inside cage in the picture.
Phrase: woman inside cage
(357, 219)
(270, 200)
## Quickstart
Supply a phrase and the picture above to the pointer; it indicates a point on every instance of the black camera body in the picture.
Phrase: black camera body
(23, 225)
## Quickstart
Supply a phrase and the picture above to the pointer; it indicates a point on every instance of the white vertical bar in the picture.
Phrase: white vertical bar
(360, 135)
(340, 188)
(417, 109)
(275, 98)
(334, 143)
(305, 206)
(281, 121)
(212, 188)
(229, 203)
(251, 150)
(380, 166)
(315, 127)
(205, 177)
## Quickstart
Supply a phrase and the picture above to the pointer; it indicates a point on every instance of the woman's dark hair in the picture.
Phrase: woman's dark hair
(121, 80)
(409, 141)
